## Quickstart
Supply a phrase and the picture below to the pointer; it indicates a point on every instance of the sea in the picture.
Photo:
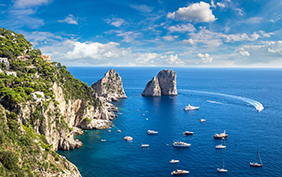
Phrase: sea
(246, 103)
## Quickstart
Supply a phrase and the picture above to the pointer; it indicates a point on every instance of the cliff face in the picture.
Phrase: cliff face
(162, 84)
(110, 87)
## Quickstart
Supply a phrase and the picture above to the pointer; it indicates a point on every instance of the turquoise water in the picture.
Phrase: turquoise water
(228, 100)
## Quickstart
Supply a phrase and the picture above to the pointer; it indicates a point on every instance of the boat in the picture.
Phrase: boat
(190, 108)
(258, 163)
(203, 120)
(144, 145)
(128, 138)
(109, 130)
(173, 161)
(103, 140)
(221, 135)
(188, 133)
(138, 110)
(221, 146)
(119, 131)
(152, 132)
(181, 144)
(179, 172)
(222, 170)
(143, 114)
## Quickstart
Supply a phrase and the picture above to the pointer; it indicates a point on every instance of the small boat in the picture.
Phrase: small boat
(258, 163)
(221, 135)
(138, 110)
(109, 130)
(190, 108)
(128, 138)
(146, 111)
(188, 133)
(222, 170)
(181, 144)
(152, 132)
(143, 114)
(144, 145)
(179, 172)
(119, 131)
(221, 146)
(203, 120)
(103, 140)
(146, 118)
(173, 161)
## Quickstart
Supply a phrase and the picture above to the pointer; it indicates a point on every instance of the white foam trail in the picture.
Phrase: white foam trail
(214, 102)
(259, 107)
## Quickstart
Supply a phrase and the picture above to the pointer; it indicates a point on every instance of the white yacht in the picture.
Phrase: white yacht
(203, 120)
(152, 132)
(128, 138)
(222, 170)
(220, 146)
(190, 108)
(181, 144)
(119, 131)
(188, 133)
(173, 161)
(103, 140)
(221, 135)
(144, 145)
(179, 172)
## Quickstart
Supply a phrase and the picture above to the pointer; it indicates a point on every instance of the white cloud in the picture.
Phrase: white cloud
(221, 5)
(197, 12)
(182, 28)
(169, 37)
(70, 19)
(205, 58)
(129, 36)
(189, 41)
(117, 22)
(30, 3)
(253, 20)
(212, 4)
(142, 8)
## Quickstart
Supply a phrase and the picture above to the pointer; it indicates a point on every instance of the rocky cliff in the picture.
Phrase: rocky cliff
(110, 87)
(162, 84)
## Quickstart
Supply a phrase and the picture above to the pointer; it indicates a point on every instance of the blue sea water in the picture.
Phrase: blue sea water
(228, 100)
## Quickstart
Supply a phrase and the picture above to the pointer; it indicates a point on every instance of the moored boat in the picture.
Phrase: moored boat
(220, 146)
(188, 133)
(258, 163)
(181, 144)
(222, 170)
(128, 138)
(144, 145)
(119, 131)
(179, 172)
(221, 135)
(103, 140)
(173, 161)
(203, 120)
(152, 132)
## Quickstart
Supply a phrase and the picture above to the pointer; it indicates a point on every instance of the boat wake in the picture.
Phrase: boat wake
(215, 102)
(259, 107)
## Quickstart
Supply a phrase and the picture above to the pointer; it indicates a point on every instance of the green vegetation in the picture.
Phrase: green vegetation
(23, 152)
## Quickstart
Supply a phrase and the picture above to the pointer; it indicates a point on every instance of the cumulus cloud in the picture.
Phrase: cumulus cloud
(221, 5)
(117, 22)
(142, 8)
(30, 3)
(182, 28)
(70, 19)
(267, 53)
(169, 37)
(197, 12)
(189, 41)
(205, 58)
(129, 36)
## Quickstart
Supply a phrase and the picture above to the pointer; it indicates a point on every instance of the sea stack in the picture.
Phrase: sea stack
(162, 84)
(110, 86)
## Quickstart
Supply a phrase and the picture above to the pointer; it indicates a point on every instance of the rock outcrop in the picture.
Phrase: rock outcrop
(110, 87)
(162, 84)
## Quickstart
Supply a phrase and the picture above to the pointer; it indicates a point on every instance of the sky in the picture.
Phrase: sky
(216, 33)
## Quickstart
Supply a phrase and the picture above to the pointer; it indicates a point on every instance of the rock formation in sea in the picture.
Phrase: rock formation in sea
(110, 87)
(162, 84)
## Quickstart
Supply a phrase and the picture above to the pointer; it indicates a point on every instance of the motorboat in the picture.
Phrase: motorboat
(128, 138)
(222, 170)
(103, 140)
(173, 161)
(119, 131)
(109, 130)
(188, 133)
(144, 145)
(220, 146)
(221, 135)
(258, 163)
(190, 108)
(203, 120)
(181, 144)
(179, 172)
(152, 132)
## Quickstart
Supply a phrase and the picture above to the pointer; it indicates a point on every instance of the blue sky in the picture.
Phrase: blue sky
(217, 33)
